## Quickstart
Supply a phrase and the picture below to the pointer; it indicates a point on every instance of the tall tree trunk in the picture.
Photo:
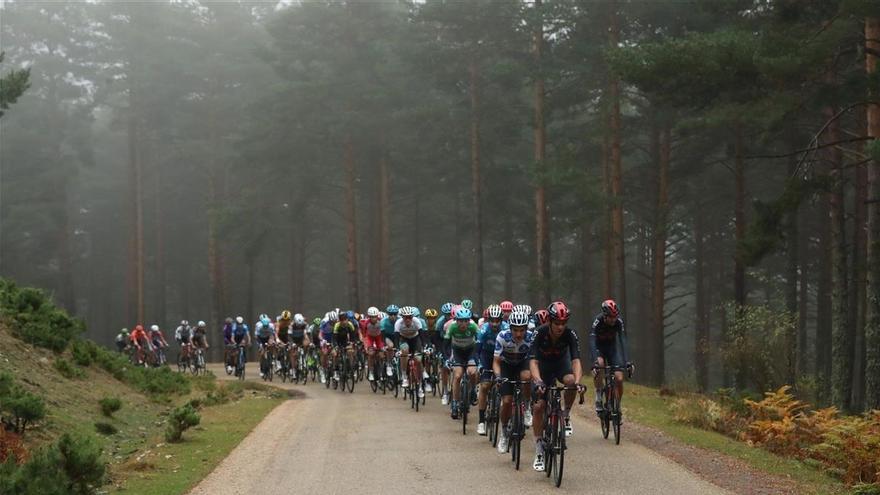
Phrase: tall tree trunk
(791, 292)
(617, 169)
(542, 227)
(824, 301)
(803, 294)
(476, 181)
(701, 333)
(351, 223)
(872, 329)
(739, 270)
(384, 229)
(658, 292)
(842, 332)
(859, 278)
(607, 238)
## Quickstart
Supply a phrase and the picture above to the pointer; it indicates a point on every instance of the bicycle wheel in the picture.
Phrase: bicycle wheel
(559, 448)
(351, 379)
(465, 402)
(615, 418)
(548, 439)
(270, 372)
(374, 385)
(517, 434)
(605, 417)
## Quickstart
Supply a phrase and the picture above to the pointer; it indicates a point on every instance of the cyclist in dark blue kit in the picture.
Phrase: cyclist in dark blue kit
(608, 345)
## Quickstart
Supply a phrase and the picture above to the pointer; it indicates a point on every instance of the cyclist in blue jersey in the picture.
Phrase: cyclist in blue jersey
(510, 361)
(485, 352)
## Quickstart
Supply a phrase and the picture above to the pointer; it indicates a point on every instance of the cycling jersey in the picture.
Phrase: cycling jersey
(486, 343)
(462, 337)
(387, 325)
(372, 329)
(439, 324)
(157, 337)
(227, 334)
(511, 351)
(545, 349)
(344, 333)
(264, 331)
(183, 334)
(240, 332)
(408, 331)
(138, 335)
(199, 335)
(609, 341)
(297, 331)
(327, 331)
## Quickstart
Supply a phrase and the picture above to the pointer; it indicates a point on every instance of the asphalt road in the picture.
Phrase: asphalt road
(364, 443)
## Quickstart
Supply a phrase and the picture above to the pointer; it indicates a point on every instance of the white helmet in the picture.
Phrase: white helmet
(154, 328)
(372, 311)
(201, 324)
(299, 319)
(383, 315)
(239, 320)
(184, 323)
(333, 316)
(519, 318)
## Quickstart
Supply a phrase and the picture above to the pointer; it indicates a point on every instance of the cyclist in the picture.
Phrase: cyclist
(462, 335)
(542, 317)
(139, 340)
(158, 341)
(409, 331)
(608, 345)
(264, 333)
(314, 332)
(344, 335)
(371, 333)
(183, 334)
(510, 361)
(506, 309)
(388, 332)
(485, 352)
(122, 340)
(326, 332)
(555, 356)
(200, 336)
(228, 344)
(432, 340)
(241, 336)
(297, 331)
(441, 347)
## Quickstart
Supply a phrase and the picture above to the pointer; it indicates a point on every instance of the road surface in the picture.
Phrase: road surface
(364, 443)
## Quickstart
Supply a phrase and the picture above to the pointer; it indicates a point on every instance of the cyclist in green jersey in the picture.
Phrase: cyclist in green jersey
(463, 338)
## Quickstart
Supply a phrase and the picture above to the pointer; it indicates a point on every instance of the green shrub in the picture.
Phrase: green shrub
(21, 408)
(5, 384)
(152, 381)
(68, 370)
(35, 319)
(83, 352)
(110, 405)
(757, 348)
(71, 466)
(180, 420)
(105, 428)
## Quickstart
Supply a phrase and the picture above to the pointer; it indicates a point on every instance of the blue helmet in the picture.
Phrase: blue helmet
(446, 309)
(463, 314)
(265, 321)
(350, 314)
(392, 309)
(416, 312)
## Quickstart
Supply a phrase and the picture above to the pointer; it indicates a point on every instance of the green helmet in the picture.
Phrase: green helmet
(316, 321)
(124, 331)
(467, 304)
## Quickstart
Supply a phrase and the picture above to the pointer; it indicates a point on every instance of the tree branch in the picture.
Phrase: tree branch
(814, 148)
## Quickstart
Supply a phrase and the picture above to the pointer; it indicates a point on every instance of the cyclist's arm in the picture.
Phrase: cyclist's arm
(496, 365)
(621, 341)
(594, 348)
(480, 338)
(574, 351)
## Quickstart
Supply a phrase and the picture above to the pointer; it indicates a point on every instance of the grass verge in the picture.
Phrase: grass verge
(175, 468)
(646, 406)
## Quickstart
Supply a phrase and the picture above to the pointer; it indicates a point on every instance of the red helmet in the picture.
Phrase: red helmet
(609, 308)
(506, 306)
(558, 311)
(542, 316)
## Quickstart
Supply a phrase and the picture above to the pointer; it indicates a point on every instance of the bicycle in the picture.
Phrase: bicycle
(430, 364)
(347, 372)
(611, 417)
(379, 377)
(395, 374)
(464, 404)
(414, 383)
(302, 371)
(184, 359)
(312, 362)
(267, 363)
(229, 358)
(516, 431)
(492, 414)
(240, 361)
(199, 367)
(554, 431)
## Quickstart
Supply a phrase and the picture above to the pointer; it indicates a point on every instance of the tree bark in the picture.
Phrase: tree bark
(824, 302)
(476, 182)
(617, 170)
(701, 332)
(859, 278)
(791, 292)
(607, 238)
(872, 329)
(739, 270)
(542, 228)
(803, 294)
(351, 223)
(658, 340)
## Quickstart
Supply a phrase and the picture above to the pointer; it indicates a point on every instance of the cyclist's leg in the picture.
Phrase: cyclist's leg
(457, 371)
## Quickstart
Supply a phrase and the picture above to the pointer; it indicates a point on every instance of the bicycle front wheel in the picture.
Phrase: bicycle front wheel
(559, 448)
(616, 417)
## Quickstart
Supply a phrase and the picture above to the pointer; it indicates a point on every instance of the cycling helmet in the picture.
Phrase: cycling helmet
(392, 309)
(124, 331)
(506, 306)
(299, 319)
(431, 313)
(558, 311)
(265, 321)
(201, 324)
(542, 317)
(333, 316)
(342, 315)
(521, 308)
(285, 315)
(463, 314)
(316, 321)
(494, 311)
(372, 311)
(467, 303)
(609, 308)
(446, 309)
(519, 319)
(527, 309)
(416, 312)
(154, 328)
(184, 323)
(349, 314)
(239, 320)
(406, 311)
(383, 315)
